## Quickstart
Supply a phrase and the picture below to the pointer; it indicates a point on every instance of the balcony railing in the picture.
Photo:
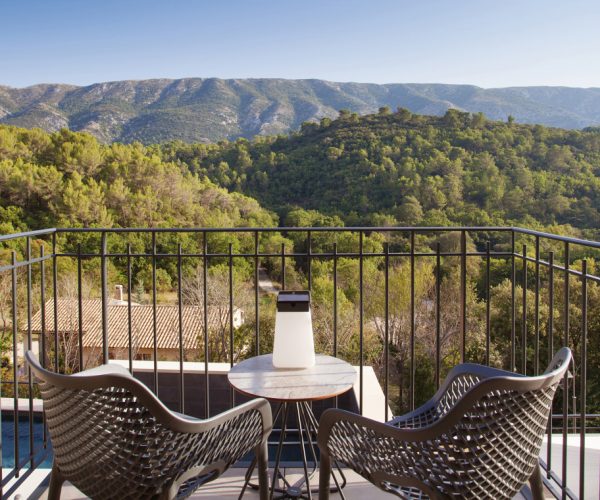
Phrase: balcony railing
(410, 301)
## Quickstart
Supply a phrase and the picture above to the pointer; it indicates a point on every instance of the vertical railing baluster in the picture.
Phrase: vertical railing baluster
(361, 318)
(43, 330)
(283, 266)
(309, 258)
(438, 315)
(129, 321)
(550, 354)
(29, 348)
(565, 419)
(104, 280)
(386, 352)
(231, 339)
(55, 299)
(513, 310)
(524, 315)
(15, 333)
(488, 333)
(43, 305)
(180, 329)
(583, 377)
(335, 306)
(79, 307)
(411, 401)
(536, 356)
(463, 293)
(256, 301)
(154, 316)
(205, 304)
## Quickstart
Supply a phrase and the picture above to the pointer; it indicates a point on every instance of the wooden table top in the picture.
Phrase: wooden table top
(257, 377)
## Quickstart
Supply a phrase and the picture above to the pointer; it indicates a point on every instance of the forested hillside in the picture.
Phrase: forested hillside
(390, 168)
(69, 179)
(398, 168)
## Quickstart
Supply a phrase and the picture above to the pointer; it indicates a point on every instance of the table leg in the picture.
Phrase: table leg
(307, 422)
(251, 467)
(286, 412)
(315, 427)
(303, 449)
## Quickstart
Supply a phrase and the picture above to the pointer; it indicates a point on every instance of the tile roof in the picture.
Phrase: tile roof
(167, 323)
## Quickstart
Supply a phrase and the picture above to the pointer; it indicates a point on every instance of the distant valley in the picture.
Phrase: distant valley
(209, 110)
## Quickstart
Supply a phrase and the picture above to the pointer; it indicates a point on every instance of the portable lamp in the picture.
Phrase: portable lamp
(294, 345)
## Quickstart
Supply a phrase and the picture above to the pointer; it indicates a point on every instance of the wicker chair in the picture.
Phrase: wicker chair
(478, 437)
(112, 438)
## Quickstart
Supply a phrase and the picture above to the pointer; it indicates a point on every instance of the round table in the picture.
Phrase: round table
(294, 390)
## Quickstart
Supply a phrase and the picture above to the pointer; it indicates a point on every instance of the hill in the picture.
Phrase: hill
(209, 110)
(68, 179)
(406, 169)
(382, 169)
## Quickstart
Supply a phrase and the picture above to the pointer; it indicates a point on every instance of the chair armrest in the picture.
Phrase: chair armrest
(379, 452)
(457, 383)
(179, 422)
(333, 416)
(213, 445)
(108, 369)
(261, 405)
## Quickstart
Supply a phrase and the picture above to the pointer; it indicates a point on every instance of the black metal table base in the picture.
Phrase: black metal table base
(307, 426)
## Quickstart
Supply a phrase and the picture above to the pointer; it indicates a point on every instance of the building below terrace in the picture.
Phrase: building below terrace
(142, 328)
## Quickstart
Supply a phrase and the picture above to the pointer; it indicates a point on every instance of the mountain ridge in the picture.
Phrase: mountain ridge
(212, 109)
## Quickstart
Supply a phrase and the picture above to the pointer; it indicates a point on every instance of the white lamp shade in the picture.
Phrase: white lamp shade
(294, 345)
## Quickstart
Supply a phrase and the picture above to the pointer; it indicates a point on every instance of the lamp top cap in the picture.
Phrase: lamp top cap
(293, 301)
(293, 296)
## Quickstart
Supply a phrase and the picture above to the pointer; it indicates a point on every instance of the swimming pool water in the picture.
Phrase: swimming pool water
(290, 454)
(8, 436)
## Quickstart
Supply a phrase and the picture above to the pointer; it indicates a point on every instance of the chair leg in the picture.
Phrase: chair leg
(56, 482)
(262, 465)
(324, 476)
(536, 484)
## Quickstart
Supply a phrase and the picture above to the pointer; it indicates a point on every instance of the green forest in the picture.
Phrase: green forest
(405, 169)
(390, 168)
(393, 168)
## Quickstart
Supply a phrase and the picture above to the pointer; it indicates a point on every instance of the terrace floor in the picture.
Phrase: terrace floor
(227, 487)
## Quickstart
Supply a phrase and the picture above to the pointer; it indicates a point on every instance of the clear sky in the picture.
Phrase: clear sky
(491, 43)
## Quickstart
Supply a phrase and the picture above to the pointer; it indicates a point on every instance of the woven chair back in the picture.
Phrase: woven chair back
(113, 438)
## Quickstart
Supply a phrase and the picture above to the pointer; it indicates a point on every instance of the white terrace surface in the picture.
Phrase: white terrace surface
(227, 487)
(592, 462)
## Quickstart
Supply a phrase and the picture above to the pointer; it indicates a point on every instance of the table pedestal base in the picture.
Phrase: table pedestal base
(307, 426)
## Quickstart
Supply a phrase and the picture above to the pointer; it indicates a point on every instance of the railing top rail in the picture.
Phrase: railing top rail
(27, 234)
(417, 229)
(422, 229)
(557, 237)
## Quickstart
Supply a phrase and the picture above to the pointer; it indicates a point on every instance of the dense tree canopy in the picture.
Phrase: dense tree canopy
(401, 168)
(69, 179)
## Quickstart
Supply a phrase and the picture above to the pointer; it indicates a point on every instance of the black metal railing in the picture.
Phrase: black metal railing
(548, 278)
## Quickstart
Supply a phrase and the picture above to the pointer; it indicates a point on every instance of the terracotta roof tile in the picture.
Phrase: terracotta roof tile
(167, 323)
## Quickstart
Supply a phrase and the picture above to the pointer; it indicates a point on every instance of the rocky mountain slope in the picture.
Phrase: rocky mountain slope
(207, 110)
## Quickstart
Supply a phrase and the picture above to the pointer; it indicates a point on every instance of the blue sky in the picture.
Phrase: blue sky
(491, 43)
